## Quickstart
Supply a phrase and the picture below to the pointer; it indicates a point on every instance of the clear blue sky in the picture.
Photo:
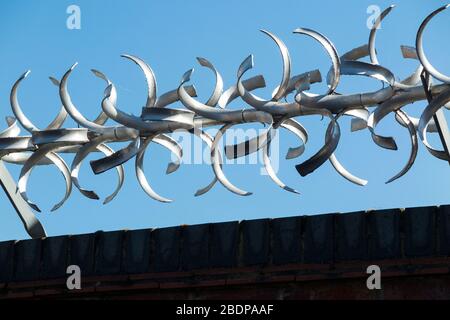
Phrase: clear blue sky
(169, 35)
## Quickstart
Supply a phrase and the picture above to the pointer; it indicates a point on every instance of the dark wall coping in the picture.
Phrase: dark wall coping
(319, 239)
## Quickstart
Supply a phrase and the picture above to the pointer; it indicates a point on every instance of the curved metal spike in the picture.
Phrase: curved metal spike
(268, 165)
(332, 52)
(357, 114)
(373, 33)
(58, 122)
(96, 144)
(437, 103)
(17, 110)
(414, 145)
(45, 151)
(71, 108)
(206, 189)
(421, 53)
(344, 173)
(282, 88)
(120, 173)
(407, 52)
(103, 117)
(296, 128)
(174, 147)
(216, 164)
(149, 77)
(141, 175)
(206, 138)
(350, 66)
(332, 137)
(369, 70)
(218, 88)
(379, 113)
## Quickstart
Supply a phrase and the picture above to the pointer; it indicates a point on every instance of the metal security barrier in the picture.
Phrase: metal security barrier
(292, 99)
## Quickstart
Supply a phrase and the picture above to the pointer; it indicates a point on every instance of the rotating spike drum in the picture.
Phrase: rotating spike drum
(159, 120)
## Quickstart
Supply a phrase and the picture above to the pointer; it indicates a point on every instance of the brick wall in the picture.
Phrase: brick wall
(321, 256)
